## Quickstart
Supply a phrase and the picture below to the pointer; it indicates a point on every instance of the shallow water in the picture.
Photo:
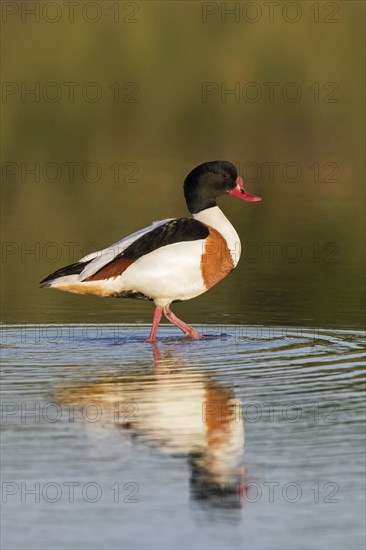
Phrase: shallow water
(109, 442)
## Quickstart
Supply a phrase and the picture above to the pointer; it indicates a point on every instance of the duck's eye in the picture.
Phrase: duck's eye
(225, 176)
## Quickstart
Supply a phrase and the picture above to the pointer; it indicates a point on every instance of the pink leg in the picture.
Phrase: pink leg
(189, 331)
(157, 316)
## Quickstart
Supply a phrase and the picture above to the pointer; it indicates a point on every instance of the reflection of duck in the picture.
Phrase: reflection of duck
(179, 411)
(171, 260)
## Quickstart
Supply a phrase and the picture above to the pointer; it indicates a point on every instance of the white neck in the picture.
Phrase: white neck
(217, 219)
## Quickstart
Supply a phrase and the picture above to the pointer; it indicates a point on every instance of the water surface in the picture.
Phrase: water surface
(250, 438)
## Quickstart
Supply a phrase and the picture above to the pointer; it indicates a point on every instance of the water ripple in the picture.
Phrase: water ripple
(94, 403)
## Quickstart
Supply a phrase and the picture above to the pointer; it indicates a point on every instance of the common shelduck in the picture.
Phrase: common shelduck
(171, 260)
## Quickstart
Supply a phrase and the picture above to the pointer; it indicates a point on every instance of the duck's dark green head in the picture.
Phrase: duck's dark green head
(208, 181)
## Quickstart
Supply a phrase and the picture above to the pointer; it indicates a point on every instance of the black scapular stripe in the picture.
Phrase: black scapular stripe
(72, 269)
(174, 231)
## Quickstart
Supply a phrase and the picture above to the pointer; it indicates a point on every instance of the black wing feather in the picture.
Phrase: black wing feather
(174, 231)
(72, 269)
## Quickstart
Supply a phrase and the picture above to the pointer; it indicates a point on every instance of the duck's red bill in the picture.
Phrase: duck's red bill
(241, 193)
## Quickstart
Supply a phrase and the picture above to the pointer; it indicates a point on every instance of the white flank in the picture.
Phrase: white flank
(172, 272)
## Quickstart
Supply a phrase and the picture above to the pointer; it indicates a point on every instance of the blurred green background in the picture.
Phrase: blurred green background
(142, 143)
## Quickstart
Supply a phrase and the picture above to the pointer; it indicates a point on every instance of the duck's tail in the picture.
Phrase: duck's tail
(65, 274)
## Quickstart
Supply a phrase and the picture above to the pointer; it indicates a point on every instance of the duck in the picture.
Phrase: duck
(171, 260)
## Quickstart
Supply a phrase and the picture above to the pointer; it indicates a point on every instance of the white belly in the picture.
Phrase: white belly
(170, 273)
